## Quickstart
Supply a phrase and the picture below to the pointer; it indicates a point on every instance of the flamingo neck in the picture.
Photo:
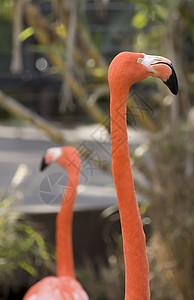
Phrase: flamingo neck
(136, 264)
(65, 261)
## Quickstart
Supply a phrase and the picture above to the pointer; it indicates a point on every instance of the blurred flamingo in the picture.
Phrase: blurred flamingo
(126, 69)
(64, 286)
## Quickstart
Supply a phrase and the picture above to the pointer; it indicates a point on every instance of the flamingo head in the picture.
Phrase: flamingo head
(161, 67)
(66, 157)
(128, 68)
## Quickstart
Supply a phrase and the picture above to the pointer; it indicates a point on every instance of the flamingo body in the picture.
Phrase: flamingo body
(56, 288)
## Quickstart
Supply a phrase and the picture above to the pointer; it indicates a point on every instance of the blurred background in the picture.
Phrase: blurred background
(54, 58)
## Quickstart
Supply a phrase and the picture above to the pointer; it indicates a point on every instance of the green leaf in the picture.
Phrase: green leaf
(24, 265)
(140, 20)
(26, 33)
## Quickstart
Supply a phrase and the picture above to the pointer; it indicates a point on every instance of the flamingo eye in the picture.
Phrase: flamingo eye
(139, 60)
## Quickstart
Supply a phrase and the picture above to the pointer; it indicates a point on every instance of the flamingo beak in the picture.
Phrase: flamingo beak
(162, 68)
(171, 82)
(43, 164)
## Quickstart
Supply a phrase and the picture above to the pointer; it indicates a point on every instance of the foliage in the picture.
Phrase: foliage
(172, 212)
(169, 170)
(105, 281)
(5, 8)
(20, 244)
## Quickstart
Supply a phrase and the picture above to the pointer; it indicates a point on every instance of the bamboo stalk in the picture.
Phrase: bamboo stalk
(16, 60)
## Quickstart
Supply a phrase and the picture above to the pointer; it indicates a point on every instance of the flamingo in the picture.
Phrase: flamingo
(64, 286)
(126, 69)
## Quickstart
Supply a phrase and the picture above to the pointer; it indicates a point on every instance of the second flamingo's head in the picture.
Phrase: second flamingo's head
(128, 68)
(67, 157)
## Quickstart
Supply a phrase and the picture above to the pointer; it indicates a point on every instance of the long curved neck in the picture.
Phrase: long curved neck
(136, 264)
(65, 261)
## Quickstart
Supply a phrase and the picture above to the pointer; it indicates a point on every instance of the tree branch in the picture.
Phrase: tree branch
(17, 109)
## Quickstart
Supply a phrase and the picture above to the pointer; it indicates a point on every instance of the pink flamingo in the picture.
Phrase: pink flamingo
(126, 69)
(64, 286)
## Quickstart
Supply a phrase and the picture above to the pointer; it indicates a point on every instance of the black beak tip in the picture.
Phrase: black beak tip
(43, 165)
(172, 82)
